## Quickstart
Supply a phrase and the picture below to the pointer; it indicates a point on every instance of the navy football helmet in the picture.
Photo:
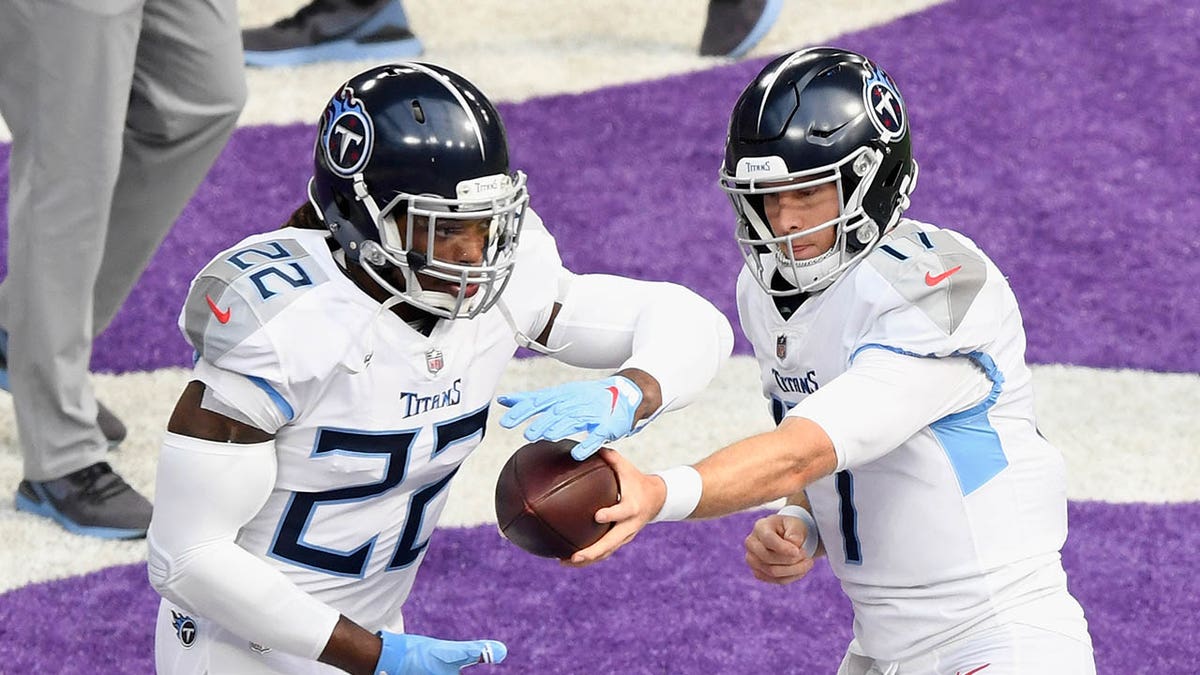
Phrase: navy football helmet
(406, 144)
(814, 117)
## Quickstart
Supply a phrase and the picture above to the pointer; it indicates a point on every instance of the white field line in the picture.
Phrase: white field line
(1127, 436)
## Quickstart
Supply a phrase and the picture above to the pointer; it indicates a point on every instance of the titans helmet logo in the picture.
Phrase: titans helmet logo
(884, 105)
(185, 629)
(347, 134)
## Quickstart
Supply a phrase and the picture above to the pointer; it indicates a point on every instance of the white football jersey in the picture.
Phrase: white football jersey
(960, 525)
(371, 418)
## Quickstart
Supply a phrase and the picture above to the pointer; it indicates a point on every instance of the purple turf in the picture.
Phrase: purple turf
(677, 600)
(1057, 134)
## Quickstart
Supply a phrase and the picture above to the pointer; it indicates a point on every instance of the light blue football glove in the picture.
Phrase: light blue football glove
(405, 654)
(604, 409)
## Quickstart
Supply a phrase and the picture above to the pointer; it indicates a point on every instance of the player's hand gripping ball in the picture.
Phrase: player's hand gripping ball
(546, 502)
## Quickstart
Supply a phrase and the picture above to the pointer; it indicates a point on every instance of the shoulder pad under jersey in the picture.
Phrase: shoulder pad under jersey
(933, 270)
(244, 287)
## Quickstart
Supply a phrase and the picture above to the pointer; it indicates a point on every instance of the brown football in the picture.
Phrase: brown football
(546, 501)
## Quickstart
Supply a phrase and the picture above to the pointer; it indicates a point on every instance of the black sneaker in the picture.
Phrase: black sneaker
(110, 425)
(93, 501)
(735, 26)
(333, 30)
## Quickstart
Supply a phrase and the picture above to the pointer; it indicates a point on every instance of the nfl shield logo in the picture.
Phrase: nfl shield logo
(434, 361)
(781, 347)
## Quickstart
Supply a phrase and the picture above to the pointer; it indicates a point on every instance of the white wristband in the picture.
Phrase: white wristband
(684, 487)
(812, 537)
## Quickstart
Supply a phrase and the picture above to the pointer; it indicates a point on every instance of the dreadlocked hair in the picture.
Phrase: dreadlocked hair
(305, 218)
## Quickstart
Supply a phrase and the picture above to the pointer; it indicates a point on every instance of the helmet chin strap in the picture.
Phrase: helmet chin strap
(521, 338)
(804, 274)
(437, 299)
(356, 360)
(418, 296)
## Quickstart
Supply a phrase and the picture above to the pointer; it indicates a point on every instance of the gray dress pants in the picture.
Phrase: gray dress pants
(118, 109)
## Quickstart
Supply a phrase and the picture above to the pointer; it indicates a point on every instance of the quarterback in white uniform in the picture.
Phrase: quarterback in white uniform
(893, 356)
(344, 370)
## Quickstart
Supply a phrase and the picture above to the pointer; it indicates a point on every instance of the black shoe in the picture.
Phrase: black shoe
(93, 501)
(333, 30)
(112, 427)
(735, 26)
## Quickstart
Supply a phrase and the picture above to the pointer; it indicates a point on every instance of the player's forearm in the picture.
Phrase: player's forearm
(762, 468)
(228, 585)
(651, 392)
(352, 648)
(207, 491)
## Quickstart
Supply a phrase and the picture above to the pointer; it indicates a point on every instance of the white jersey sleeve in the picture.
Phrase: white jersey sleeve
(904, 394)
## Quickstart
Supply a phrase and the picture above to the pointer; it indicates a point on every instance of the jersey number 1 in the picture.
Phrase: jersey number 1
(848, 515)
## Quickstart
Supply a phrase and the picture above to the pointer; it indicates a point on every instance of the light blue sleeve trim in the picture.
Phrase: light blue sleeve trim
(967, 437)
(280, 402)
(887, 348)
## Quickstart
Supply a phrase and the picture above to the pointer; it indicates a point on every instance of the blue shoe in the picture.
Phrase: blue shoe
(110, 425)
(93, 501)
(333, 30)
(735, 26)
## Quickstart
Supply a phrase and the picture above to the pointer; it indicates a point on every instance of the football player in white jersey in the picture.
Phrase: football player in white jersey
(344, 369)
(892, 354)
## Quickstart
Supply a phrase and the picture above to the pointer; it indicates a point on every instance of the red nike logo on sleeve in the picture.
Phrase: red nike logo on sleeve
(931, 280)
(615, 394)
(223, 317)
(970, 672)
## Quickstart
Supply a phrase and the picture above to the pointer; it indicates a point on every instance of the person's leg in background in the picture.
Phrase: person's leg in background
(334, 30)
(71, 151)
(18, 85)
(64, 93)
(188, 89)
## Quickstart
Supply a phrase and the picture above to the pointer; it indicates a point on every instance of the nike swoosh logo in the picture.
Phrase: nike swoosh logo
(223, 317)
(971, 672)
(931, 280)
(615, 394)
